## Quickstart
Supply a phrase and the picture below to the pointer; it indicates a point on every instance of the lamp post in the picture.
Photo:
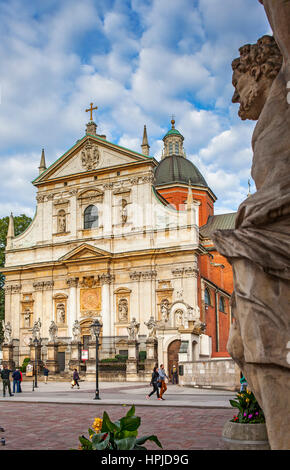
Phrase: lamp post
(96, 329)
(36, 342)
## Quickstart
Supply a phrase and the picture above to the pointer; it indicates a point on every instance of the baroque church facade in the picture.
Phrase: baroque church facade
(120, 237)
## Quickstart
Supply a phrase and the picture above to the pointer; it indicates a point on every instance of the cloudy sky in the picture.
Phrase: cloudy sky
(139, 61)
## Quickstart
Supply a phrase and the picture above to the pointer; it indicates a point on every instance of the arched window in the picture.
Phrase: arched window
(170, 148)
(221, 304)
(206, 296)
(91, 217)
(176, 148)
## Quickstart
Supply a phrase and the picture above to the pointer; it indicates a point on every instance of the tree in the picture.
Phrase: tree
(21, 222)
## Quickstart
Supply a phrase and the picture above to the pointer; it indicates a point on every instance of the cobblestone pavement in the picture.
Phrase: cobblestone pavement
(45, 426)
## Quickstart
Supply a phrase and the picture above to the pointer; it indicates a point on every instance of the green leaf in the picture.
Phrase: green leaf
(153, 438)
(130, 423)
(101, 445)
(131, 412)
(107, 425)
(235, 404)
(126, 444)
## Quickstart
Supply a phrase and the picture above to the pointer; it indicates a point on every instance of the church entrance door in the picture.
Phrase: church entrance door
(172, 352)
(61, 361)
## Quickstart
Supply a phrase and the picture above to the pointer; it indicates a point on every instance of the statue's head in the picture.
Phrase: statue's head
(253, 74)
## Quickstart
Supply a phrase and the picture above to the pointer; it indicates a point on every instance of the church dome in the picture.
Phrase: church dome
(178, 169)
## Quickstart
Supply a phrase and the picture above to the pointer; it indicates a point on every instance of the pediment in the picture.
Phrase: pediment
(90, 154)
(85, 252)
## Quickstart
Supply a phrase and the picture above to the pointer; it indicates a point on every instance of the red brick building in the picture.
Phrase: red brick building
(174, 175)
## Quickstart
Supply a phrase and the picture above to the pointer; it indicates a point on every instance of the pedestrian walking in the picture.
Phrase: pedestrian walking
(162, 375)
(45, 373)
(243, 382)
(16, 381)
(154, 383)
(76, 379)
(174, 374)
(5, 375)
(21, 379)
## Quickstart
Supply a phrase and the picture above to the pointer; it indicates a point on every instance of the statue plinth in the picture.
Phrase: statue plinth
(7, 350)
(151, 356)
(75, 355)
(132, 361)
(52, 362)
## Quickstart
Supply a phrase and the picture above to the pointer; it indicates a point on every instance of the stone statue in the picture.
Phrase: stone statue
(7, 331)
(76, 331)
(61, 221)
(133, 329)
(52, 331)
(60, 312)
(151, 325)
(259, 246)
(124, 213)
(178, 318)
(27, 318)
(164, 310)
(123, 310)
(36, 329)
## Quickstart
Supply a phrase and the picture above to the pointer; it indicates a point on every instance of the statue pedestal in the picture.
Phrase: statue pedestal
(91, 362)
(132, 361)
(7, 350)
(52, 362)
(75, 355)
(35, 353)
(151, 357)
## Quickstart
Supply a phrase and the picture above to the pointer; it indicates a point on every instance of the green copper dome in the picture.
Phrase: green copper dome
(172, 131)
(177, 169)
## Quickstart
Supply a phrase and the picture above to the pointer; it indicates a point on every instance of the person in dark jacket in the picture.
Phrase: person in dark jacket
(16, 381)
(5, 375)
(76, 379)
(45, 373)
(154, 383)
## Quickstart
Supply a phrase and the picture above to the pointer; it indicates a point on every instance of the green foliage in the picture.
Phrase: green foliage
(21, 222)
(25, 363)
(142, 355)
(119, 435)
(250, 411)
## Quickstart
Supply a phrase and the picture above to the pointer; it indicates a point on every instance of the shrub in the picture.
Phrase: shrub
(120, 435)
(25, 364)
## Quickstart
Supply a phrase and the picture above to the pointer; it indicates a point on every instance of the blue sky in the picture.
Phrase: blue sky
(139, 61)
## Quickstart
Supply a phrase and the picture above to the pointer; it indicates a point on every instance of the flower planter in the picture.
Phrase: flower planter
(238, 436)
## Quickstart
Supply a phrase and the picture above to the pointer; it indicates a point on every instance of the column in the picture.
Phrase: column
(72, 313)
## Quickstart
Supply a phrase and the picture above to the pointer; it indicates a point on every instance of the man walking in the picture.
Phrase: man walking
(5, 375)
(162, 375)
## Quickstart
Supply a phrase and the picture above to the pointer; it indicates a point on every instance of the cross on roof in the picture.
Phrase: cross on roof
(91, 110)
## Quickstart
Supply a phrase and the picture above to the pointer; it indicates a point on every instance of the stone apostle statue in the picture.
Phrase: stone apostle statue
(76, 331)
(52, 331)
(7, 331)
(151, 325)
(36, 329)
(259, 246)
(133, 329)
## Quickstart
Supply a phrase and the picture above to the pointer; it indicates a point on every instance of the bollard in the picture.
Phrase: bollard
(2, 441)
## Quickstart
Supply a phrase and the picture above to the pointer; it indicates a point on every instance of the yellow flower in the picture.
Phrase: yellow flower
(97, 425)
(247, 400)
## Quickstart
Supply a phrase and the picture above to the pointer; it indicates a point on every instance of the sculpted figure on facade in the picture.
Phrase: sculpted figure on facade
(27, 318)
(259, 246)
(164, 308)
(61, 221)
(7, 332)
(76, 331)
(133, 330)
(151, 325)
(123, 310)
(60, 313)
(124, 213)
(52, 331)
(90, 156)
(36, 330)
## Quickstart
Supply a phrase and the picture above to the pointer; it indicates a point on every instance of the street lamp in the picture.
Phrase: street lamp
(36, 343)
(96, 329)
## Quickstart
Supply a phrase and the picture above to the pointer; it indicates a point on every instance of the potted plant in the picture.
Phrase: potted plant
(246, 430)
(118, 435)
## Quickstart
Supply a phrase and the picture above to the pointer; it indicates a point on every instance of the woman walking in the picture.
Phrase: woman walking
(154, 383)
(76, 379)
